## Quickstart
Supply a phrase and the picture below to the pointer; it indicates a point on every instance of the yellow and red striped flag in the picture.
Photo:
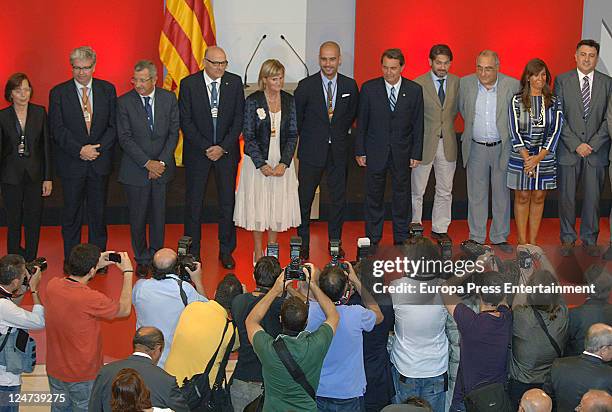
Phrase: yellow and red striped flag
(189, 28)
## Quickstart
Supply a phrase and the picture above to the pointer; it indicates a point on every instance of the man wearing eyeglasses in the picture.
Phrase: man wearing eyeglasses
(82, 124)
(211, 104)
(147, 126)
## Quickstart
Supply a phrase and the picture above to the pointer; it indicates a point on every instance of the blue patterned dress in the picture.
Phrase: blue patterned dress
(534, 130)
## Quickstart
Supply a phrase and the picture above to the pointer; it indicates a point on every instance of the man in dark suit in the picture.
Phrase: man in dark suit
(584, 147)
(211, 104)
(389, 139)
(148, 346)
(147, 126)
(326, 105)
(572, 377)
(82, 125)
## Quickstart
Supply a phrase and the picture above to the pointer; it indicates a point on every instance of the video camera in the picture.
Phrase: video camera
(39, 262)
(334, 251)
(184, 259)
(295, 269)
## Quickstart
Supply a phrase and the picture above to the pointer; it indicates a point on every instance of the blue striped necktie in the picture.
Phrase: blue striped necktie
(392, 99)
(586, 96)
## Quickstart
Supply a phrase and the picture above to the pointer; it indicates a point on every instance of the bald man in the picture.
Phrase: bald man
(211, 104)
(595, 401)
(167, 291)
(535, 400)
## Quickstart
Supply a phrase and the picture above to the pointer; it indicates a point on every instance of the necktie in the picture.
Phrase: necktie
(586, 96)
(441, 94)
(214, 104)
(392, 99)
(87, 112)
(149, 109)
(330, 101)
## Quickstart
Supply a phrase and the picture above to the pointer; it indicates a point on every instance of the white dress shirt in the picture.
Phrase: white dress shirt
(581, 80)
(89, 93)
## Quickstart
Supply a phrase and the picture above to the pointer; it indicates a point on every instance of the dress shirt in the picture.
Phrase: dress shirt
(90, 93)
(485, 115)
(592, 354)
(144, 355)
(436, 83)
(581, 80)
(13, 316)
(334, 81)
(152, 96)
(208, 81)
(396, 86)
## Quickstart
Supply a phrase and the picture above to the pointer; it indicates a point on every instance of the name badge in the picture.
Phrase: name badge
(87, 116)
(214, 112)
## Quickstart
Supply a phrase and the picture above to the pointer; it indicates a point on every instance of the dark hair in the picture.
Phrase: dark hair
(438, 49)
(228, 289)
(266, 271)
(588, 42)
(11, 267)
(534, 67)
(149, 337)
(83, 258)
(294, 315)
(491, 287)
(333, 281)
(14, 82)
(545, 302)
(395, 54)
(129, 392)
(423, 248)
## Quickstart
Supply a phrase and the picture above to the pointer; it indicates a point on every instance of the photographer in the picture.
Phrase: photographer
(308, 349)
(343, 381)
(74, 314)
(160, 301)
(12, 289)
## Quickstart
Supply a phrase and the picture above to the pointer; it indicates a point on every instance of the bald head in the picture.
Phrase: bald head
(595, 401)
(535, 400)
(164, 262)
(598, 340)
(215, 62)
(329, 59)
(330, 45)
(149, 340)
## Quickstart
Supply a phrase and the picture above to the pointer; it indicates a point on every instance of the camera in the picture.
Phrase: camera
(415, 231)
(114, 257)
(272, 250)
(184, 259)
(472, 248)
(446, 248)
(295, 269)
(39, 262)
(334, 251)
(525, 259)
(363, 248)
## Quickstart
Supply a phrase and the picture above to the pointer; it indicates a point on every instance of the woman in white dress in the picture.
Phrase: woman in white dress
(267, 196)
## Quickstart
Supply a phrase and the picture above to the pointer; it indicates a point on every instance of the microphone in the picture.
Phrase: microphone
(249, 63)
(296, 53)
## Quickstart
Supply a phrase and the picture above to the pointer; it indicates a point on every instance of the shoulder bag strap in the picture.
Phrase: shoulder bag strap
(221, 376)
(211, 362)
(545, 329)
(294, 369)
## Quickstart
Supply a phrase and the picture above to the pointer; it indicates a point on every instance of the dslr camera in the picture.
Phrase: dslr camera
(272, 250)
(446, 248)
(184, 259)
(295, 269)
(363, 248)
(525, 259)
(334, 251)
(39, 262)
(472, 248)
(415, 231)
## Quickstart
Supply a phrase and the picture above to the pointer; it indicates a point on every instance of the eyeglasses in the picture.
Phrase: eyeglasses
(83, 69)
(217, 64)
(140, 81)
(486, 69)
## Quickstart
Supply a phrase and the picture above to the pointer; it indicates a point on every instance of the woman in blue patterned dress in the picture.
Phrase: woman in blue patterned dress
(536, 120)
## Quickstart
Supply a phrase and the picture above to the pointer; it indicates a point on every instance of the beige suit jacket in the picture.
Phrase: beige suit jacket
(439, 120)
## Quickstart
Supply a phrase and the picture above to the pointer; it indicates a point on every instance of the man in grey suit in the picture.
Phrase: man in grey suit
(584, 147)
(484, 99)
(148, 346)
(148, 126)
(440, 93)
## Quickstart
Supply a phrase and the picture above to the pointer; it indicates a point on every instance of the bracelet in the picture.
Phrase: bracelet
(34, 292)
(129, 270)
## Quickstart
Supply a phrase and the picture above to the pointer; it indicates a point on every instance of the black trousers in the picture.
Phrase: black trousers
(309, 177)
(87, 192)
(145, 201)
(195, 187)
(23, 204)
(401, 206)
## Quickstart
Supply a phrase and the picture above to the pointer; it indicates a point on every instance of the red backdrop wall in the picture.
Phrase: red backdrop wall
(518, 30)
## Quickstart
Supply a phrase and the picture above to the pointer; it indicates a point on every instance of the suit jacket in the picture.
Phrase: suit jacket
(164, 390)
(257, 131)
(139, 143)
(576, 130)
(69, 132)
(572, 377)
(197, 122)
(381, 131)
(468, 91)
(580, 320)
(439, 119)
(314, 126)
(38, 164)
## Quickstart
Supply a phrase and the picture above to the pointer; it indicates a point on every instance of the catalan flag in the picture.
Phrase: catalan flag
(189, 28)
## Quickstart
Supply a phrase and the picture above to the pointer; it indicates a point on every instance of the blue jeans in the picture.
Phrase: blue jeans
(6, 405)
(76, 395)
(340, 405)
(433, 389)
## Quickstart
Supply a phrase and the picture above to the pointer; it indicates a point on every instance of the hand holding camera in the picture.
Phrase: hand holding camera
(34, 279)
(196, 274)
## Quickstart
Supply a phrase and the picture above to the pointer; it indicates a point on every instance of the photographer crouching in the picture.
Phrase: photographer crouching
(14, 281)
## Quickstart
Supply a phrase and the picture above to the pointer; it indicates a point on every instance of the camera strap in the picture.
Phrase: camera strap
(182, 292)
(545, 329)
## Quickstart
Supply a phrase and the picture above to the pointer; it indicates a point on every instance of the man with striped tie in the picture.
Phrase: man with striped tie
(389, 139)
(584, 146)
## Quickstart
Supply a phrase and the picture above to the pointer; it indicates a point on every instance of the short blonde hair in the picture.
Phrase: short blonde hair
(269, 68)
(83, 53)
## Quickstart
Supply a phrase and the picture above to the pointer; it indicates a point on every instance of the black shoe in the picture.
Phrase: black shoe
(304, 253)
(142, 271)
(567, 249)
(227, 260)
(608, 254)
(102, 271)
(504, 247)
